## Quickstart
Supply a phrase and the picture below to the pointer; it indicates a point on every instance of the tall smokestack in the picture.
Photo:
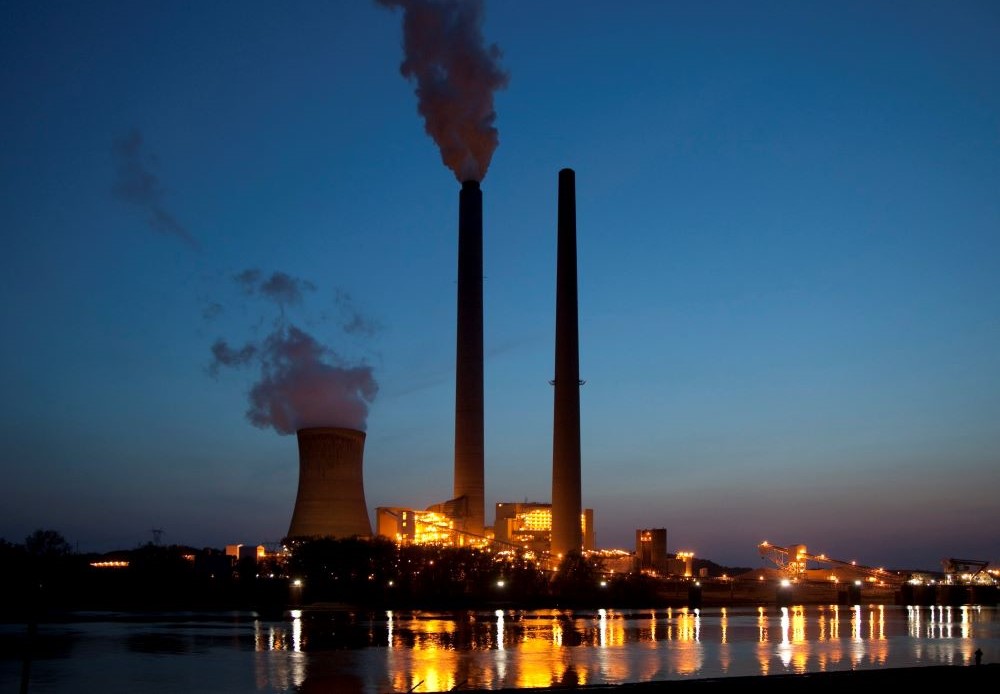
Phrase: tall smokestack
(456, 75)
(566, 495)
(469, 461)
(331, 496)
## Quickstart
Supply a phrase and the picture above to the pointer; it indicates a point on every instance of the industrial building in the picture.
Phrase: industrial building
(331, 500)
(528, 526)
(433, 526)
(651, 554)
(651, 550)
(524, 525)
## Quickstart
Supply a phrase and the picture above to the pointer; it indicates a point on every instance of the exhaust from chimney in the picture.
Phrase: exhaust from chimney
(456, 76)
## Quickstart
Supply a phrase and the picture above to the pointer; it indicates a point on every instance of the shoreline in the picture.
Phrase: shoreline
(917, 677)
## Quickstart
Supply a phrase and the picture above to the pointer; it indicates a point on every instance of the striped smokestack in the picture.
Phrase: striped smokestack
(469, 459)
(567, 504)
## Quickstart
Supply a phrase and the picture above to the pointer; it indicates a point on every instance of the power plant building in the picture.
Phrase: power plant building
(528, 526)
(651, 550)
(408, 526)
(331, 502)
(651, 554)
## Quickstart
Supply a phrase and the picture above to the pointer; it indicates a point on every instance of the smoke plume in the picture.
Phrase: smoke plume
(137, 185)
(300, 381)
(353, 321)
(456, 76)
(299, 388)
(281, 288)
(224, 355)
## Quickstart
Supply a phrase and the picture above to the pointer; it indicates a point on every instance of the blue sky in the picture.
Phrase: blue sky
(789, 264)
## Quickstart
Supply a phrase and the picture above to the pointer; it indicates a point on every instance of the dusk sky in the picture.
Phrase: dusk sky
(788, 228)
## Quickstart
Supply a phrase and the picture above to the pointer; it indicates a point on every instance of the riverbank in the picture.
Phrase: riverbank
(954, 677)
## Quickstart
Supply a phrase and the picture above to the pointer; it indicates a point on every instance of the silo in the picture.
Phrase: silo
(331, 495)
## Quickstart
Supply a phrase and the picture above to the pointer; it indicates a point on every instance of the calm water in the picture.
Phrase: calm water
(379, 653)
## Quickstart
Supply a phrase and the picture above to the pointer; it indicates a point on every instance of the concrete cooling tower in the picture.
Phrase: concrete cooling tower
(331, 497)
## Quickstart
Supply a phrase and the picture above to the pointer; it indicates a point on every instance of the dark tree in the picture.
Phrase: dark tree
(47, 543)
(577, 579)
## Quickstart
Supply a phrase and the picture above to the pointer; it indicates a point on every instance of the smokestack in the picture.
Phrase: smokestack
(469, 459)
(566, 495)
(456, 75)
(331, 496)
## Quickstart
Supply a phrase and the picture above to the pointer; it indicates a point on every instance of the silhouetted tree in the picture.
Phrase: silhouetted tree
(11, 553)
(379, 572)
(576, 580)
(348, 569)
(48, 571)
(47, 543)
(13, 577)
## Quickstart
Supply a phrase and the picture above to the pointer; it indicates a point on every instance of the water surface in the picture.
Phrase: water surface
(377, 653)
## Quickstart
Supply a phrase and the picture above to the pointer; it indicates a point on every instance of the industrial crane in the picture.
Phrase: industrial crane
(969, 569)
(792, 562)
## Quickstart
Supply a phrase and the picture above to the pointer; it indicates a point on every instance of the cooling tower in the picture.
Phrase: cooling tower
(566, 495)
(331, 496)
(469, 359)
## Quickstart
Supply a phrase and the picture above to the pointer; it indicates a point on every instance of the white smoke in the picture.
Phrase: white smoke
(300, 387)
(301, 382)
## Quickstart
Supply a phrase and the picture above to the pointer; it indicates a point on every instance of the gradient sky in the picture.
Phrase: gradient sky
(789, 265)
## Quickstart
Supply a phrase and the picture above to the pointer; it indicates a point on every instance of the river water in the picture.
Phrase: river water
(379, 653)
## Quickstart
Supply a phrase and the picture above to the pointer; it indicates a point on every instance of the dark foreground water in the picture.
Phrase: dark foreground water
(378, 653)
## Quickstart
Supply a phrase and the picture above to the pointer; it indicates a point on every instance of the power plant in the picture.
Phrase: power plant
(331, 499)
(528, 526)
(566, 491)
(331, 495)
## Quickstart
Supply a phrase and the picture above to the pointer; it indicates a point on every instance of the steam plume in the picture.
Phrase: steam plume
(353, 321)
(281, 288)
(301, 382)
(456, 76)
(137, 185)
(224, 355)
(298, 388)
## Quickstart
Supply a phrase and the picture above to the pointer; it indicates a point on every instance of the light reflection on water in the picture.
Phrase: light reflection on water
(423, 652)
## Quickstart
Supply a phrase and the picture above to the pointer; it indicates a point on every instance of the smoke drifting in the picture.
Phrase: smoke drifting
(456, 76)
(353, 322)
(298, 388)
(224, 355)
(301, 382)
(137, 185)
(282, 289)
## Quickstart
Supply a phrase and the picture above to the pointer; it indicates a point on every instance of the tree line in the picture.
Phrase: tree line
(44, 574)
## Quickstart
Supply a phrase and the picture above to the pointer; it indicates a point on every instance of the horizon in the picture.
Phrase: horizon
(788, 259)
(157, 542)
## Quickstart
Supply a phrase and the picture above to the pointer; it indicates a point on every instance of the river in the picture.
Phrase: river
(422, 652)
